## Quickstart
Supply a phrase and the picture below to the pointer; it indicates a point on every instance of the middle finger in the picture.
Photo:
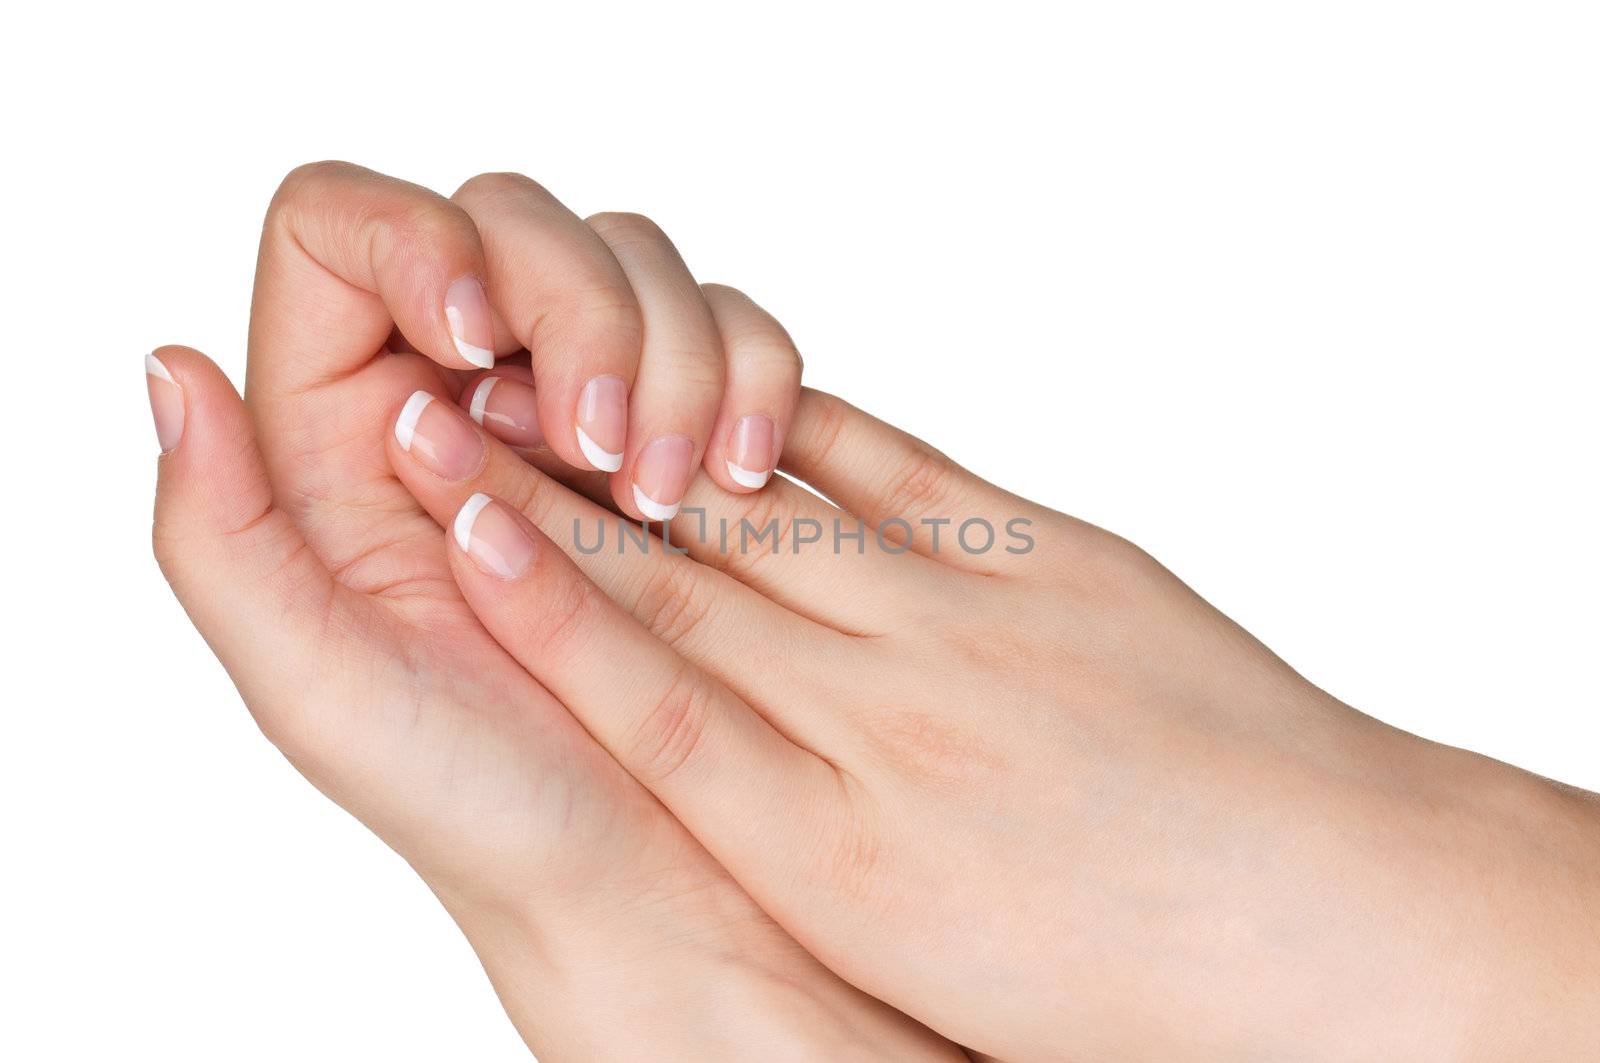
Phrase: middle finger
(681, 370)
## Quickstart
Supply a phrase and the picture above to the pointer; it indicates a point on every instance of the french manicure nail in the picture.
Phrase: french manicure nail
(166, 403)
(489, 534)
(603, 422)
(466, 310)
(436, 435)
(508, 409)
(661, 476)
(750, 451)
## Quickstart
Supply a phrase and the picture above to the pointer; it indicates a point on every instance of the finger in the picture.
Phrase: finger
(714, 762)
(748, 642)
(908, 491)
(504, 402)
(681, 369)
(763, 383)
(261, 598)
(807, 555)
(784, 542)
(348, 255)
(567, 300)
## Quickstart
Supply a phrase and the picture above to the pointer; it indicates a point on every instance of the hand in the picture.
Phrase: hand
(324, 589)
(1032, 789)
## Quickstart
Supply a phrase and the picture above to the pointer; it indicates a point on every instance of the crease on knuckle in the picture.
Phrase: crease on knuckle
(921, 481)
(673, 603)
(599, 314)
(762, 351)
(826, 417)
(673, 731)
(385, 230)
(757, 510)
(692, 369)
(565, 616)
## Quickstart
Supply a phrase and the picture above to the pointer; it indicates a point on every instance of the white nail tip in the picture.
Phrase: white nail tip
(480, 397)
(153, 367)
(478, 356)
(467, 517)
(481, 357)
(405, 426)
(604, 460)
(745, 478)
(651, 508)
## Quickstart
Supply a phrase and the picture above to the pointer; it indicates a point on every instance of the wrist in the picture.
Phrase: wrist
(1494, 879)
(700, 975)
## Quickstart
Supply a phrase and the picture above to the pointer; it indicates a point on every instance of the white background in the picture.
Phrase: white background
(1305, 299)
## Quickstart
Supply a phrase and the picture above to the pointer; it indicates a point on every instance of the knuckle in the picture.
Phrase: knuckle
(851, 854)
(723, 293)
(824, 416)
(309, 177)
(765, 353)
(487, 188)
(751, 335)
(624, 228)
(414, 222)
(753, 515)
(921, 480)
(673, 603)
(693, 369)
(568, 613)
(673, 730)
(604, 311)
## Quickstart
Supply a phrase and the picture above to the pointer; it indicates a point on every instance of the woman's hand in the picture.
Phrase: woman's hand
(1021, 782)
(324, 589)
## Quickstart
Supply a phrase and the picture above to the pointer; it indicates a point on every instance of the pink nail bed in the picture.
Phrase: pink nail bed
(438, 436)
(751, 449)
(493, 537)
(602, 421)
(466, 311)
(661, 476)
(507, 409)
(166, 403)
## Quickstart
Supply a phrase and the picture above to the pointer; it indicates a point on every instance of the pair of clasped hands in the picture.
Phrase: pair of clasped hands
(879, 796)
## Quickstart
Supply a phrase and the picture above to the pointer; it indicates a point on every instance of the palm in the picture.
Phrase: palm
(437, 718)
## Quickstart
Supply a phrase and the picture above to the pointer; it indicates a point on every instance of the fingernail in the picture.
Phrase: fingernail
(750, 450)
(661, 476)
(438, 437)
(505, 407)
(489, 534)
(166, 403)
(603, 422)
(466, 309)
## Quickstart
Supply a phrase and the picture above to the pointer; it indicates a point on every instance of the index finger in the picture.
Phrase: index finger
(348, 255)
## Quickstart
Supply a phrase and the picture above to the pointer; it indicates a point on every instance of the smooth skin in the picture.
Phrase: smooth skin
(1051, 803)
(323, 587)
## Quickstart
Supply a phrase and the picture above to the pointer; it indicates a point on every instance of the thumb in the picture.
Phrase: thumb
(238, 564)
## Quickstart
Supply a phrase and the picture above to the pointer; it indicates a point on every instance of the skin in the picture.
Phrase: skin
(1049, 803)
(323, 587)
